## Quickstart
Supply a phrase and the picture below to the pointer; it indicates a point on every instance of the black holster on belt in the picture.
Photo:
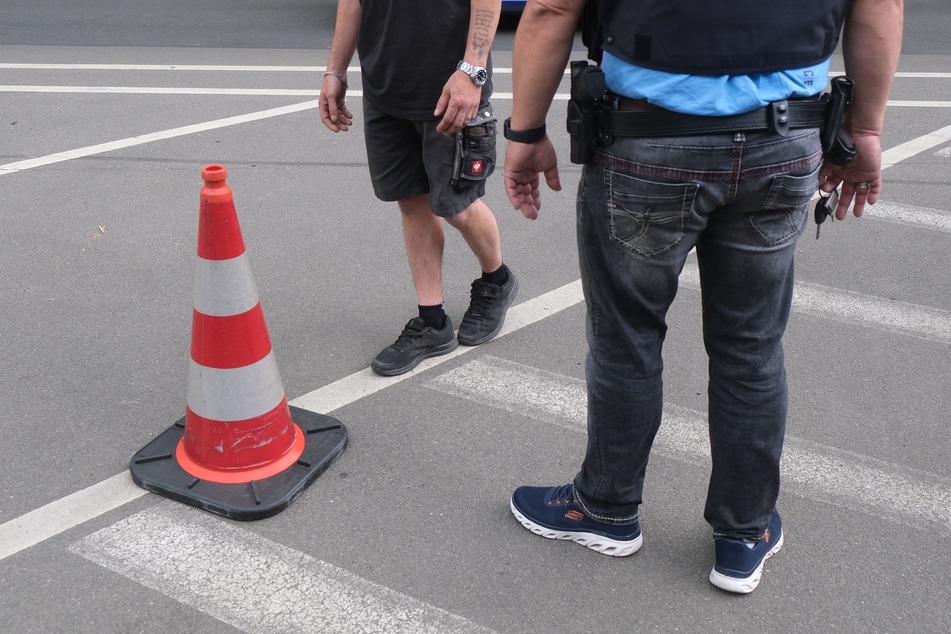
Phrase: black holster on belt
(593, 119)
(837, 145)
(587, 100)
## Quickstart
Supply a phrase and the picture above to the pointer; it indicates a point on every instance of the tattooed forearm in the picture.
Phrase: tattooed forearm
(483, 22)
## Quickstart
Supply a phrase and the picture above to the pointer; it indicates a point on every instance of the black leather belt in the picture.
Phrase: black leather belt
(779, 116)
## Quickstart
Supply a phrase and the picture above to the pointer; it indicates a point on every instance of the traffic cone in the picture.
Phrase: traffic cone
(240, 450)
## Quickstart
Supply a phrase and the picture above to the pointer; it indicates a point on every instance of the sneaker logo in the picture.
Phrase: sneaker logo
(574, 515)
(766, 536)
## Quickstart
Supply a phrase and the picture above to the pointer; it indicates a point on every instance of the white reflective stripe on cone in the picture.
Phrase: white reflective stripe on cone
(235, 394)
(224, 287)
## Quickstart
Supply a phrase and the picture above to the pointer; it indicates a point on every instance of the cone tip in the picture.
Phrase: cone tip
(214, 173)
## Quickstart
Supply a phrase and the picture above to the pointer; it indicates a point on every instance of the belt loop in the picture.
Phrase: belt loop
(779, 117)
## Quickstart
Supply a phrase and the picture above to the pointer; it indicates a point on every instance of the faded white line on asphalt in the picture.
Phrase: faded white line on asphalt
(366, 382)
(251, 582)
(944, 152)
(173, 67)
(49, 159)
(288, 92)
(924, 143)
(166, 90)
(306, 69)
(906, 496)
(908, 319)
(922, 322)
(65, 513)
(337, 394)
(910, 215)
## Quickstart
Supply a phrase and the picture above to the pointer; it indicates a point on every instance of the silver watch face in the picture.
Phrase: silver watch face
(478, 75)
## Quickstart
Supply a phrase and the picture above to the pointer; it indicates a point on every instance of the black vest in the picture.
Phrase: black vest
(720, 37)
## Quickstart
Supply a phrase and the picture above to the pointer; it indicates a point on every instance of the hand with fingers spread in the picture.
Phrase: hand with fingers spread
(523, 163)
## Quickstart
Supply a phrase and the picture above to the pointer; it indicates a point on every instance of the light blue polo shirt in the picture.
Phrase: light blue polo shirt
(711, 95)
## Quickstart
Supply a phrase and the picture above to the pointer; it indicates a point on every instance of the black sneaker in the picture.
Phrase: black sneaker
(487, 310)
(417, 342)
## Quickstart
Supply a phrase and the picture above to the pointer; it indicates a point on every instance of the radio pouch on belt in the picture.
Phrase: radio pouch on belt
(837, 145)
(475, 149)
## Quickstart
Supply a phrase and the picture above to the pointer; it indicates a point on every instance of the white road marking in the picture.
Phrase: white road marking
(251, 582)
(63, 514)
(921, 322)
(933, 219)
(944, 151)
(49, 159)
(366, 382)
(66, 513)
(306, 69)
(34, 527)
(290, 92)
(167, 90)
(908, 149)
(857, 482)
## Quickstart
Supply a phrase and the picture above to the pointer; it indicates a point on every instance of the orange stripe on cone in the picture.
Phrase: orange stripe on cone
(214, 339)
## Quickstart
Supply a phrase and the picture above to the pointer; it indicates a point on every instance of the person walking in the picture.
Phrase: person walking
(430, 134)
(710, 140)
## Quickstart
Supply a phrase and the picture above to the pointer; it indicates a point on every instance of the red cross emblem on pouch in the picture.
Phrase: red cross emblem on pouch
(477, 167)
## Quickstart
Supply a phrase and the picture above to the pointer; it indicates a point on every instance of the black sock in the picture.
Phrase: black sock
(434, 316)
(498, 277)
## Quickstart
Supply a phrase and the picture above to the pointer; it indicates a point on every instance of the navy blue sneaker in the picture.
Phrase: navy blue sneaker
(554, 513)
(740, 562)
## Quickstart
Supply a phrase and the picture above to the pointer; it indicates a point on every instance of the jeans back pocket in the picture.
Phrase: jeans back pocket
(786, 209)
(647, 217)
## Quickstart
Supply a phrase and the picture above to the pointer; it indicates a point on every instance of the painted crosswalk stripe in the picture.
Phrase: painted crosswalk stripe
(921, 322)
(905, 496)
(253, 583)
(910, 215)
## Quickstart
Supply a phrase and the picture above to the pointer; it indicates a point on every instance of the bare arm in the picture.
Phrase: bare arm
(333, 107)
(871, 46)
(460, 98)
(542, 48)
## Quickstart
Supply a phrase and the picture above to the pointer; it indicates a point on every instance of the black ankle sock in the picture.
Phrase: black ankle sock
(434, 316)
(498, 277)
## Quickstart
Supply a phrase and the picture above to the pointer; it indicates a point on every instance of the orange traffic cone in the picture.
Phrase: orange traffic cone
(240, 451)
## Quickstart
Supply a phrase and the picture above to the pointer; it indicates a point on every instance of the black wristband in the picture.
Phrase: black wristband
(522, 136)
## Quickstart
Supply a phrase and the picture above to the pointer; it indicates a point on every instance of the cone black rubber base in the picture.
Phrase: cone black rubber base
(155, 469)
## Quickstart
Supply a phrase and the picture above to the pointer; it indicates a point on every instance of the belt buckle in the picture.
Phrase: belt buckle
(779, 117)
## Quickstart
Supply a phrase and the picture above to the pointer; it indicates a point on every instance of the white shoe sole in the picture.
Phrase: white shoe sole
(599, 543)
(748, 584)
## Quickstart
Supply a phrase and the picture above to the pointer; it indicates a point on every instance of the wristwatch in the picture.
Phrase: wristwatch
(477, 73)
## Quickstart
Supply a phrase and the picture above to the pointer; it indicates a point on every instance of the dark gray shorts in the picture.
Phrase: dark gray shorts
(410, 158)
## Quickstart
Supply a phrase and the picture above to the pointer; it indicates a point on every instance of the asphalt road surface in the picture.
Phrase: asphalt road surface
(108, 111)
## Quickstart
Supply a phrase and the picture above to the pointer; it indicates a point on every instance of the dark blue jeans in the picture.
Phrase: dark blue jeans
(742, 200)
